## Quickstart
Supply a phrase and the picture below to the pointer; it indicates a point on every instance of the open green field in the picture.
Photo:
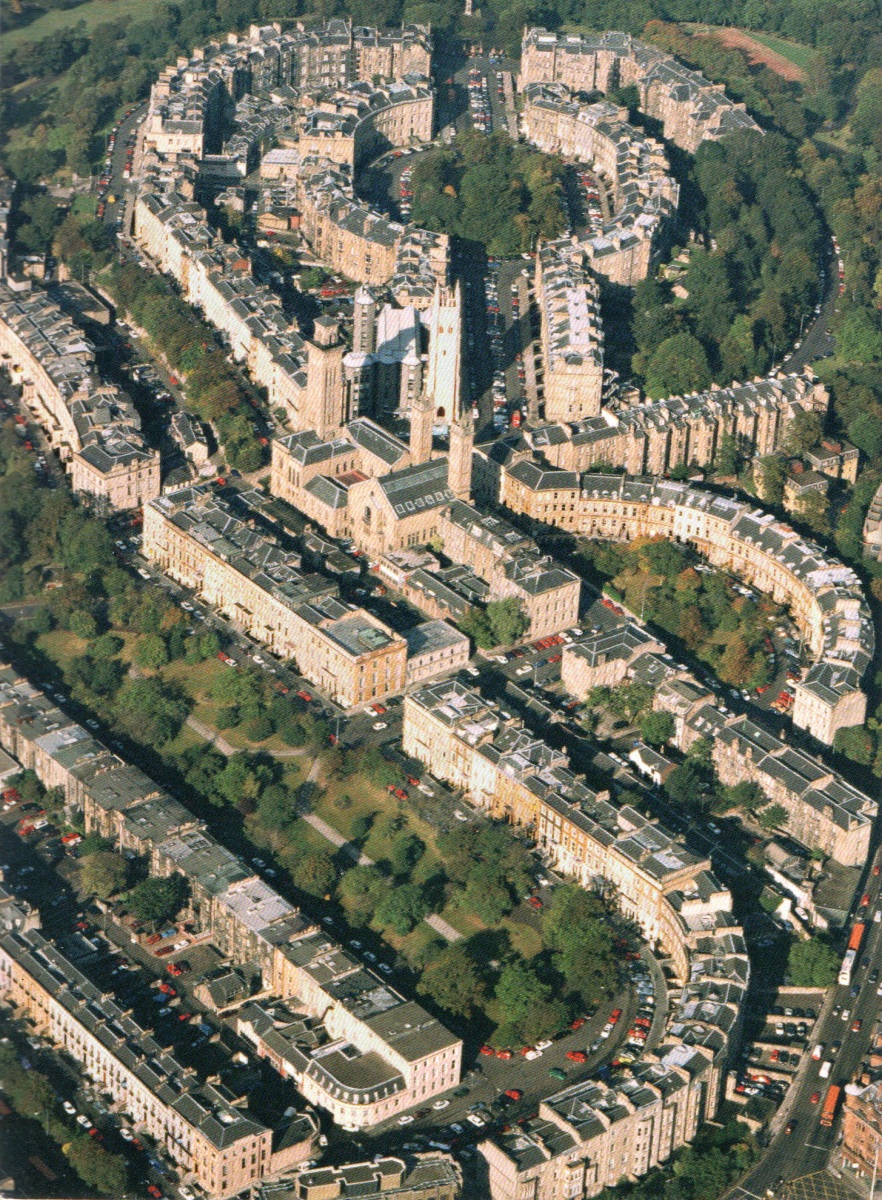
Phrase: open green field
(92, 14)
(801, 56)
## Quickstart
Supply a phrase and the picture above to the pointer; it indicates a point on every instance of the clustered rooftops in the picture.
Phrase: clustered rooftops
(634, 165)
(156, 824)
(570, 307)
(654, 71)
(103, 426)
(209, 1108)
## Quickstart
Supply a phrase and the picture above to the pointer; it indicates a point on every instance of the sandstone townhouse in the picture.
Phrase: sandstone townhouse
(643, 194)
(212, 1140)
(370, 1053)
(196, 538)
(824, 596)
(824, 812)
(93, 426)
(691, 109)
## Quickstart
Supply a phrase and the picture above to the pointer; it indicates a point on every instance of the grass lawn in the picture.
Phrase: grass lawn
(93, 13)
(62, 646)
(801, 56)
(84, 206)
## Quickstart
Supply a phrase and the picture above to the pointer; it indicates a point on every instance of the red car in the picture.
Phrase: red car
(614, 1015)
(514, 1094)
(184, 1016)
(857, 1025)
(534, 902)
(488, 1050)
(503, 1054)
(578, 1023)
(577, 1056)
(333, 739)
(814, 1098)
(174, 970)
(154, 1191)
(877, 869)
(379, 709)
(93, 1133)
(154, 938)
(412, 780)
(305, 695)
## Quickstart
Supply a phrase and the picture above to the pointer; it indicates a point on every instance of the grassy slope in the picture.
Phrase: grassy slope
(92, 13)
(802, 56)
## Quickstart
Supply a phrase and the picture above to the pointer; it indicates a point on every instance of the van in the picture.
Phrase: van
(826, 1068)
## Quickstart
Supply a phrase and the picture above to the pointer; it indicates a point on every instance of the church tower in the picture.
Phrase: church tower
(444, 372)
(324, 403)
(459, 459)
(422, 418)
(364, 316)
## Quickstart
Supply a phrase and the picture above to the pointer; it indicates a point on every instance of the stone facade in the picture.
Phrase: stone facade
(351, 655)
(691, 109)
(824, 596)
(643, 195)
(93, 426)
(374, 1053)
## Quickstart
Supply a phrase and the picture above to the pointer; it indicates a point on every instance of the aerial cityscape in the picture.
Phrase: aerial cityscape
(440, 563)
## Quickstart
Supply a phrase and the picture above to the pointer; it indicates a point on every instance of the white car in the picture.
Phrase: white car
(385, 968)
(83, 1120)
(543, 1045)
(126, 1135)
(405, 1119)
(473, 672)
(427, 791)
(524, 670)
(460, 815)
(186, 606)
(474, 1119)
(531, 1054)
(380, 725)
(261, 662)
(186, 1193)
(439, 1104)
(456, 1127)
(69, 1108)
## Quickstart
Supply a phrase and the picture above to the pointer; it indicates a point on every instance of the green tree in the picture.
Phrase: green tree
(103, 874)
(745, 795)
(405, 852)
(812, 963)
(360, 890)
(159, 899)
(38, 218)
(677, 366)
(151, 651)
(773, 817)
(856, 743)
(402, 908)
(772, 473)
(314, 873)
(453, 980)
(656, 728)
(97, 1168)
(803, 432)
(150, 711)
(507, 622)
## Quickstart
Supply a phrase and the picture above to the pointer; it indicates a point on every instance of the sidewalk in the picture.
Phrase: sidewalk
(227, 748)
(335, 838)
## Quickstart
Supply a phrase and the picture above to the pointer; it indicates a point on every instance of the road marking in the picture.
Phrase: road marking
(813, 1146)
